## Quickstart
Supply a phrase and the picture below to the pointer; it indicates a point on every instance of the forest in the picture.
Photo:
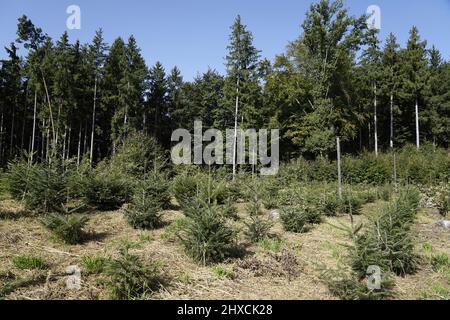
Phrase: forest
(86, 179)
(337, 78)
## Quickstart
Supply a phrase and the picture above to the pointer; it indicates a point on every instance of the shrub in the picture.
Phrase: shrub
(350, 204)
(349, 287)
(107, 191)
(184, 188)
(42, 187)
(385, 192)
(443, 204)
(130, 278)
(68, 228)
(144, 211)
(269, 192)
(299, 219)
(257, 229)
(138, 155)
(29, 262)
(387, 242)
(228, 209)
(329, 205)
(206, 237)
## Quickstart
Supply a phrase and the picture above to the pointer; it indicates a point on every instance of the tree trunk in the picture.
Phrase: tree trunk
(417, 125)
(391, 141)
(85, 147)
(338, 147)
(93, 122)
(11, 143)
(235, 129)
(375, 121)
(34, 125)
(79, 146)
(69, 141)
(1, 139)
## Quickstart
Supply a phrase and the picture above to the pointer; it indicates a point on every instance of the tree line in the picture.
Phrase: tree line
(336, 80)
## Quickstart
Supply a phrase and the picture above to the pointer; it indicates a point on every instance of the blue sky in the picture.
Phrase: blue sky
(193, 34)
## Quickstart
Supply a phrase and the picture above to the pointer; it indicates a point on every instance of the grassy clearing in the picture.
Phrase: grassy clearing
(285, 266)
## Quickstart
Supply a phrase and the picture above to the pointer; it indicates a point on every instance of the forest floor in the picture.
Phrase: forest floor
(266, 271)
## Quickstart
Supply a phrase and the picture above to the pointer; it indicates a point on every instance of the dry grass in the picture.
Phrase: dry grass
(21, 233)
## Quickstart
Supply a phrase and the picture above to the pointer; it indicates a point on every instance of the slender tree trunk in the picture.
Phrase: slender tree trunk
(338, 145)
(43, 140)
(375, 121)
(93, 122)
(417, 125)
(11, 145)
(49, 106)
(1, 138)
(34, 125)
(47, 145)
(22, 134)
(79, 146)
(235, 129)
(391, 140)
(69, 141)
(63, 154)
(85, 146)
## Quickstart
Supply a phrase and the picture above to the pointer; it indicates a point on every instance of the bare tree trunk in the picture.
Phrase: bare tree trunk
(338, 145)
(235, 129)
(43, 140)
(93, 122)
(79, 146)
(34, 125)
(375, 121)
(12, 131)
(391, 141)
(85, 146)
(22, 138)
(64, 143)
(417, 125)
(69, 141)
(49, 106)
(1, 138)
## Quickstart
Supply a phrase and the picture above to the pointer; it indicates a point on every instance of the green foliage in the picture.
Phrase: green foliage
(274, 245)
(68, 228)
(184, 188)
(148, 201)
(388, 241)
(349, 287)
(206, 237)
(138, 155)
(190, 190)
(42, 187)
(93, 264)
(107, 191)
(299, 219)
(440, 262)
(223, 273)
(425, 166)
(443, 203)
(130, 278)
(172, 231)
(29, 262)
(257, 228)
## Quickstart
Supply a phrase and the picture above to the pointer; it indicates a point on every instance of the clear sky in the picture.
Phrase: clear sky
(193, 34)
